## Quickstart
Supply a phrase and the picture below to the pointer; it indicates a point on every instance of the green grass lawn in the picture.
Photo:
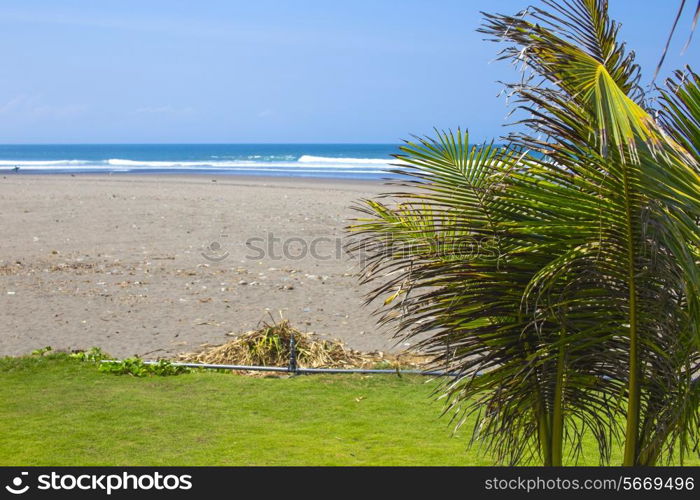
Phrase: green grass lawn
(56, 411)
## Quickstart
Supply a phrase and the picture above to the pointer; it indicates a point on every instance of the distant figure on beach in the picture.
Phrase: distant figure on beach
(16, 169)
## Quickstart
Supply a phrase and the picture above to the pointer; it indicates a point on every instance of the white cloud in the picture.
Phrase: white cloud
(33, 106)
(164, 110)
(17, 103)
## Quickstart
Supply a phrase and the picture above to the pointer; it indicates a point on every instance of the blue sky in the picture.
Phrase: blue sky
(80, 71)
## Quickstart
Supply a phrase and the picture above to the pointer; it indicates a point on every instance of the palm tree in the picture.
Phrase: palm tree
(580, 311)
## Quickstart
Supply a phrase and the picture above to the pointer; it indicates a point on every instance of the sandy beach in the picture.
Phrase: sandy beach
(155, 265)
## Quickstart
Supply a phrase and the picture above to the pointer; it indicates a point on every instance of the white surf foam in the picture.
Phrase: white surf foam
(56, 163)
(356, 161)
(305, 165)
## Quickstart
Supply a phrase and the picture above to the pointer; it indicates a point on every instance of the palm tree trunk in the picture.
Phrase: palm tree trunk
(557, 439)
(543, 427)
(634, 383)
(545, 434)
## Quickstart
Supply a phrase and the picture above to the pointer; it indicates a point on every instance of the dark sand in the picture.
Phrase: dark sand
(154, 265)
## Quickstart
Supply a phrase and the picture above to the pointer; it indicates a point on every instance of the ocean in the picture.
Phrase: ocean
(354, 161)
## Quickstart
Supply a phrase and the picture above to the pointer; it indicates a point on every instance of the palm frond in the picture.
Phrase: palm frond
(581, 307)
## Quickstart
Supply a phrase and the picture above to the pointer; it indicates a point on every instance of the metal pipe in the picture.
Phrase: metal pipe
(217, 367)
(370, 371)
(311, 371)
(308, 371)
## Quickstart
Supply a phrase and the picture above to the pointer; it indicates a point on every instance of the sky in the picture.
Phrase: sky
(285, 71)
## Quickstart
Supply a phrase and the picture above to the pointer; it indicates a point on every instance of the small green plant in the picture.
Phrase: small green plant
(42, 351)
(166, 368)
(128, 366)
(137, 368)
(94, 355)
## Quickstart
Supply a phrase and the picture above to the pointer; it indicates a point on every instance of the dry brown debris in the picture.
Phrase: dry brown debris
(269, 345)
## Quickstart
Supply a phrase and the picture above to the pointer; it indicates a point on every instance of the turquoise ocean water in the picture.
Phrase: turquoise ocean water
(355, 161)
